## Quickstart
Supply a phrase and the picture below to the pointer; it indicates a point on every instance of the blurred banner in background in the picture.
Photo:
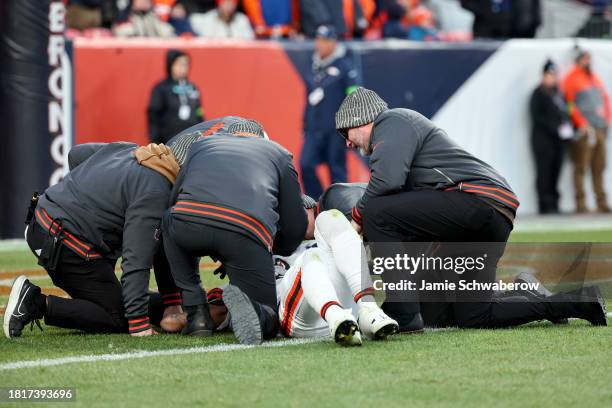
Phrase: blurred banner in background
(35, 107)
(478, 92)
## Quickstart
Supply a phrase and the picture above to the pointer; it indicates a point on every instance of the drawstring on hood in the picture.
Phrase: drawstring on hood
(158, 157)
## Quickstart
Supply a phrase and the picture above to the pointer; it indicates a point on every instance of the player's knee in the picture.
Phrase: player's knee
(331, 223)
(312, 256)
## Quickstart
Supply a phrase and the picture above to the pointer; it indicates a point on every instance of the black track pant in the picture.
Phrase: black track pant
(425, 216)
(247, 263)
(96, 304)
(548, 157)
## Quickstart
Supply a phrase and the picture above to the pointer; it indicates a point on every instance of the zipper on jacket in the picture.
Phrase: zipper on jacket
(444, 175)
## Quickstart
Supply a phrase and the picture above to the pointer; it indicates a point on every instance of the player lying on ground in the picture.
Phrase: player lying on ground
(321, 288)
(109, 206)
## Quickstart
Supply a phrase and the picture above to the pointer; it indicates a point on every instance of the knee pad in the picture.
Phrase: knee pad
(330, 224)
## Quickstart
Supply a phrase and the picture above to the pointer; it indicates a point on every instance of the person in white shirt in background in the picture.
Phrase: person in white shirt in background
(223, 22)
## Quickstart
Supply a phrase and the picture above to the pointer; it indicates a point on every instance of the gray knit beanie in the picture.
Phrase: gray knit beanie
(359, 108)
(247, 127)
(180, 146)
(308, 202)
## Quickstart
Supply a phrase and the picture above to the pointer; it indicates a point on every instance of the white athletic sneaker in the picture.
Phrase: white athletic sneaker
(374, 323)
(344, 329)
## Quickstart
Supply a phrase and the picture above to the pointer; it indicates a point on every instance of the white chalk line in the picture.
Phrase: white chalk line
(156, 353)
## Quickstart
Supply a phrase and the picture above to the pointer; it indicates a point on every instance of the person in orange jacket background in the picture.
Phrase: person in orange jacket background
(589, 107)
(273, 18)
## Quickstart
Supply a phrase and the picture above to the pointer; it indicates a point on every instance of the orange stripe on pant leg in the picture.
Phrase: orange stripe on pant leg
(291, 314)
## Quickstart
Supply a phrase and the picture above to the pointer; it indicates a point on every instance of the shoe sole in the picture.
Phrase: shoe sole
(244, 319)
(386, 331)
(12, 304)
(345, 333)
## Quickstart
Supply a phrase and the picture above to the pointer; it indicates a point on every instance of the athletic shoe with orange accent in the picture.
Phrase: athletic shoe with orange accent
(374, 323)
(21, 309)
(344, 329)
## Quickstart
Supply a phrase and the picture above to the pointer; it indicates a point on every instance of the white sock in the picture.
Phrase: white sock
(334, 233)
(318, 289)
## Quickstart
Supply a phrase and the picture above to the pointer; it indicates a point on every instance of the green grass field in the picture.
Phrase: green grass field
(534, 365)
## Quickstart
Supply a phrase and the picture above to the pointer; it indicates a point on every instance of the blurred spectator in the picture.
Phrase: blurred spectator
(179, 20)
(346, 16)
(90, 18)
(526, 18)
(143, 22)
(331, 79)
(453, 22)
(199, 6)
(550, 128)
(163, 8)
(175, 101)
(590, 111)
(273, 18)
(492, 18)
(223, 22)
(84, 14)
(408, 19)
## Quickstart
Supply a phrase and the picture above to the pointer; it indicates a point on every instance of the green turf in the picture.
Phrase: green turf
(17, 260)
(535, 365)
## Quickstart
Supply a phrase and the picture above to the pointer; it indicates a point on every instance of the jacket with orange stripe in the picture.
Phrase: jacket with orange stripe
(114, 205)
(587, 99)
(409, 152)
(218, 125)
(181, 143)
(244, 184)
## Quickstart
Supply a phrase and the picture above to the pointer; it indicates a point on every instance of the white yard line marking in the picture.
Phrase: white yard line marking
(144, 354)
(10, 281)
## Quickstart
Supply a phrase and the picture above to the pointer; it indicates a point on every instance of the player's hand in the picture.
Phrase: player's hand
(145, 333)
(356, 227)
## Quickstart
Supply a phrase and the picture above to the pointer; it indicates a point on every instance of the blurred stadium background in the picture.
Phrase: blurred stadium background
(65, 82)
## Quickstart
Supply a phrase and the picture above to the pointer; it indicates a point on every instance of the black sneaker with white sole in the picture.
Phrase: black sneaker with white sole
(21, 309)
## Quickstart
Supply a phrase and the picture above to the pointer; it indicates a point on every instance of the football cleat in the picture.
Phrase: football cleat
(345, 330)
(374, 323)
(21, 310)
